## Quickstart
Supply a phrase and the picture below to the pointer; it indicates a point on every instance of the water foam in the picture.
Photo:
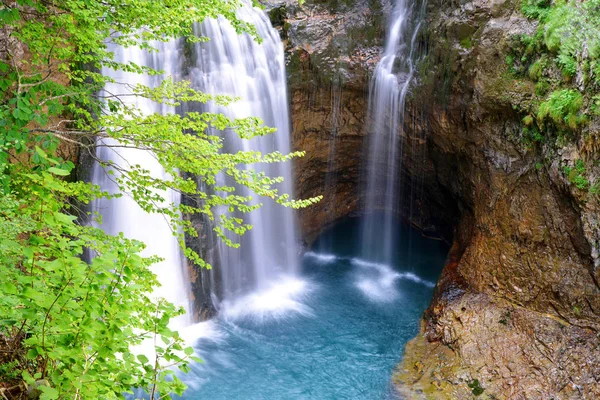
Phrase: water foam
(206, 330)
(322, 258)
(282, 299)
(412, 277)
(377, 281)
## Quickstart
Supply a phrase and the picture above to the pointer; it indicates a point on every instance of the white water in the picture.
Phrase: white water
(123, 214)
(236, 65)
(282, 299)
(377, 281)
(389, 86)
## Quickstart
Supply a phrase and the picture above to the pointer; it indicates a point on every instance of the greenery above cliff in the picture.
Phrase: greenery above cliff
(563, 59)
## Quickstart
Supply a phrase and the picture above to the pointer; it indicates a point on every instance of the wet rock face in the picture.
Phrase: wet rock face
(332, 164)
(332, 49)
(518, 308)
(513, 352)
(333, 41)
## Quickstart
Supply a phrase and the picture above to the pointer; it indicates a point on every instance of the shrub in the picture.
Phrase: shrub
(562, 107)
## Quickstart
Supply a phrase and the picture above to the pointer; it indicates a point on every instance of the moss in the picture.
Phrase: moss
(576, 175)
(595, 105)
(542, 88)
(475, 387)
(566, 44)
(536, 70)
(277, 15)
(466, 43)
(562, 108)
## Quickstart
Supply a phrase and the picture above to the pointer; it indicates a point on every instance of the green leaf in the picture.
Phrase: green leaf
(32, 354)
(27, 377)
(8, 16)
(142, 358)
(48, 393)
(58, 171)
(41, 152)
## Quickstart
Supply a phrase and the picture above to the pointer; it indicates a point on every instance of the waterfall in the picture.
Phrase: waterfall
(228, 64)
(237, 65)
(123, 214)
(387, 93)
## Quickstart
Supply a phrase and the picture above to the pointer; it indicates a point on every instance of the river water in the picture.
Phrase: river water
(336, 331)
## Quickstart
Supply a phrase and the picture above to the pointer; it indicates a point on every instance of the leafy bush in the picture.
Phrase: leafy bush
(68, 320)
(562, 107)
(576, 175)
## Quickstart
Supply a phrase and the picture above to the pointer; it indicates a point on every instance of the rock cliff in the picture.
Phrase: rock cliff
(332, 48)
(516, 311)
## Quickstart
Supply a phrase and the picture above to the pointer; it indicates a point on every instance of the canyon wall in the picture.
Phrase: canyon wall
(517, 306)
(332, 48)
(516, 311)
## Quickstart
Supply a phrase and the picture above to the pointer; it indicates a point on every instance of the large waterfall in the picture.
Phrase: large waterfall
(279, 334)
(228, 64)
(123, 214)
(237, 65)
(389, 85)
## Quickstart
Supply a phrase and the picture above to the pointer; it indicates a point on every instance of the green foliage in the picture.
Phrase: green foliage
(536, 70)
(467, 43)
(595, 105)
(541, 88)
(537, 9)
(572, 32)
(9, 371)
(475, 387)
(577, 175)
(562, 107)
(70, 321)
(567, 64)
(565, 46)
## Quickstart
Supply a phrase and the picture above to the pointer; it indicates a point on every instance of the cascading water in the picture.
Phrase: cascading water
(332, 153)
(229, 64)
(123, 214)
(389, 85)
(353, 323)
(238, 66)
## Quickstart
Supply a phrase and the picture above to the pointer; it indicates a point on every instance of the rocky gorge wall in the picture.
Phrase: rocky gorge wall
(516, 311)
(516, 307)
(332, 49)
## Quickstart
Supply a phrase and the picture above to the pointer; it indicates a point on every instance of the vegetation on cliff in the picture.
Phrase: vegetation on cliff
(68, 321)
(562, 58)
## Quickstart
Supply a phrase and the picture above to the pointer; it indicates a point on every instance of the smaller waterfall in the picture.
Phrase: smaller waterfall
(332, 172)
(238, 66)
(389, 86)
(123, 214)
